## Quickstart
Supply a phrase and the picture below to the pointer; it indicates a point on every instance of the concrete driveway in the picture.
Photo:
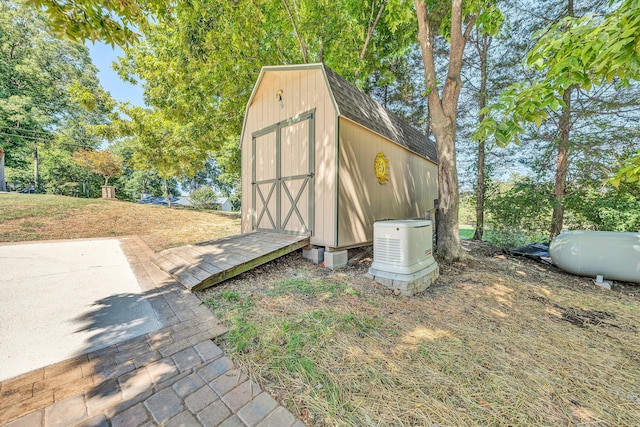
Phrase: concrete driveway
(86, 294)
(62, 299)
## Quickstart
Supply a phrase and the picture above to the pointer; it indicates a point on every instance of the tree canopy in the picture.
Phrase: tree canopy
(453, 21)
(576, 67)
(197, 61)
(584, 52)
(49, 90)
(103, 162)
(110, 21)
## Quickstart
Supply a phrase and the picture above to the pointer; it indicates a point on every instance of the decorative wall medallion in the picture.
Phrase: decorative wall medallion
(381, 167)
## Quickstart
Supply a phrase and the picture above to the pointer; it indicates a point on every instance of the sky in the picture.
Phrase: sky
(102, 56)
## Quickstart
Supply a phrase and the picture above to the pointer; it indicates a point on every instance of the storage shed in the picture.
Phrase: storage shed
(320, 157)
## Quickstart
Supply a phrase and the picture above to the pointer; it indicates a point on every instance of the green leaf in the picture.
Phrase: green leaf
(538, 120)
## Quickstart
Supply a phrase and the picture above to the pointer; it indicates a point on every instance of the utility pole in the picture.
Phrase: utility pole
(35, 167)
(3, 184)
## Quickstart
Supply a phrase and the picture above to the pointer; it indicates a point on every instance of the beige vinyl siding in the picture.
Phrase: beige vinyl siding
(410, 192)
(303, 90)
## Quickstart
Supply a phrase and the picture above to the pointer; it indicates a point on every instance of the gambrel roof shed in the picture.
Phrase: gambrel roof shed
(320, 157)
(356, 105)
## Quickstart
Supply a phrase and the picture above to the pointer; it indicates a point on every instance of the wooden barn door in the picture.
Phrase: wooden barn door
(282, 176)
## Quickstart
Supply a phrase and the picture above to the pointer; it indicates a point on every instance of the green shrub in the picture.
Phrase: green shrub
(467, 210)
(513, 238)
(204, 198)
(520, 213)
(18, 179)
(605, 210)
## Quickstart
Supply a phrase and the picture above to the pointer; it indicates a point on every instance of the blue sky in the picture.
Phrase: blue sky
(102, 56)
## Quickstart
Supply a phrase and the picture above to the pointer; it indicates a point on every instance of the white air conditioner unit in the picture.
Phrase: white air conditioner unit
(402, 247)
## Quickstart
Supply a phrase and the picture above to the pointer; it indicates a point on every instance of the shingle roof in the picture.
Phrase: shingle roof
(364, 110)
(157, 200)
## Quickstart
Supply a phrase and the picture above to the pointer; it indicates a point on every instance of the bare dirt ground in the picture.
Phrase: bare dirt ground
(496, 340)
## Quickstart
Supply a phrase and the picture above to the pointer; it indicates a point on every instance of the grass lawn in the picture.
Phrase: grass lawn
(466, 231)
(26, 217)
(495, 341)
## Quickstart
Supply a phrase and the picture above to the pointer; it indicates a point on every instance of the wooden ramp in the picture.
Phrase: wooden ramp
(208, 263)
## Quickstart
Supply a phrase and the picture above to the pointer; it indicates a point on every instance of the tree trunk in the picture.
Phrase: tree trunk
(562, 160)
(144, 184)
(562, 166)
(480, 191)
(482, 102)
(301, 43)
(447, 228)
(443, 112)
(166, 190)
(370, 30)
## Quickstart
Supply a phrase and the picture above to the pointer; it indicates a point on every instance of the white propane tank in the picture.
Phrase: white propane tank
(613, 255)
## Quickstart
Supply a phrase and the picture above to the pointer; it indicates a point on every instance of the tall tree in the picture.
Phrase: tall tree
(350, 36)
(198, 64)
(456, 22)
(572, 57)
(562, 159)
(163, 146)
(398, 84)
(483, 42)
(103, 162)
(40, 78)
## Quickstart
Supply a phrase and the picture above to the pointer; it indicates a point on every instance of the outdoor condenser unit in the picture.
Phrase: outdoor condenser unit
(402, 247)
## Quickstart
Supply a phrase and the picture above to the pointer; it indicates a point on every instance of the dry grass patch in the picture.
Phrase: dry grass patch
(496, 341)
(25, 217)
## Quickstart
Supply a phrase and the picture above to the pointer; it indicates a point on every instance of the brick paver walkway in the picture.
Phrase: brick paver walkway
(175, 376)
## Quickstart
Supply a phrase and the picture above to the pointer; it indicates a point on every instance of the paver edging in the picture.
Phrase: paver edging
(100, 387)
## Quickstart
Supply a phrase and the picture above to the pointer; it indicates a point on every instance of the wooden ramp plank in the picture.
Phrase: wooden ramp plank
(205, 264)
